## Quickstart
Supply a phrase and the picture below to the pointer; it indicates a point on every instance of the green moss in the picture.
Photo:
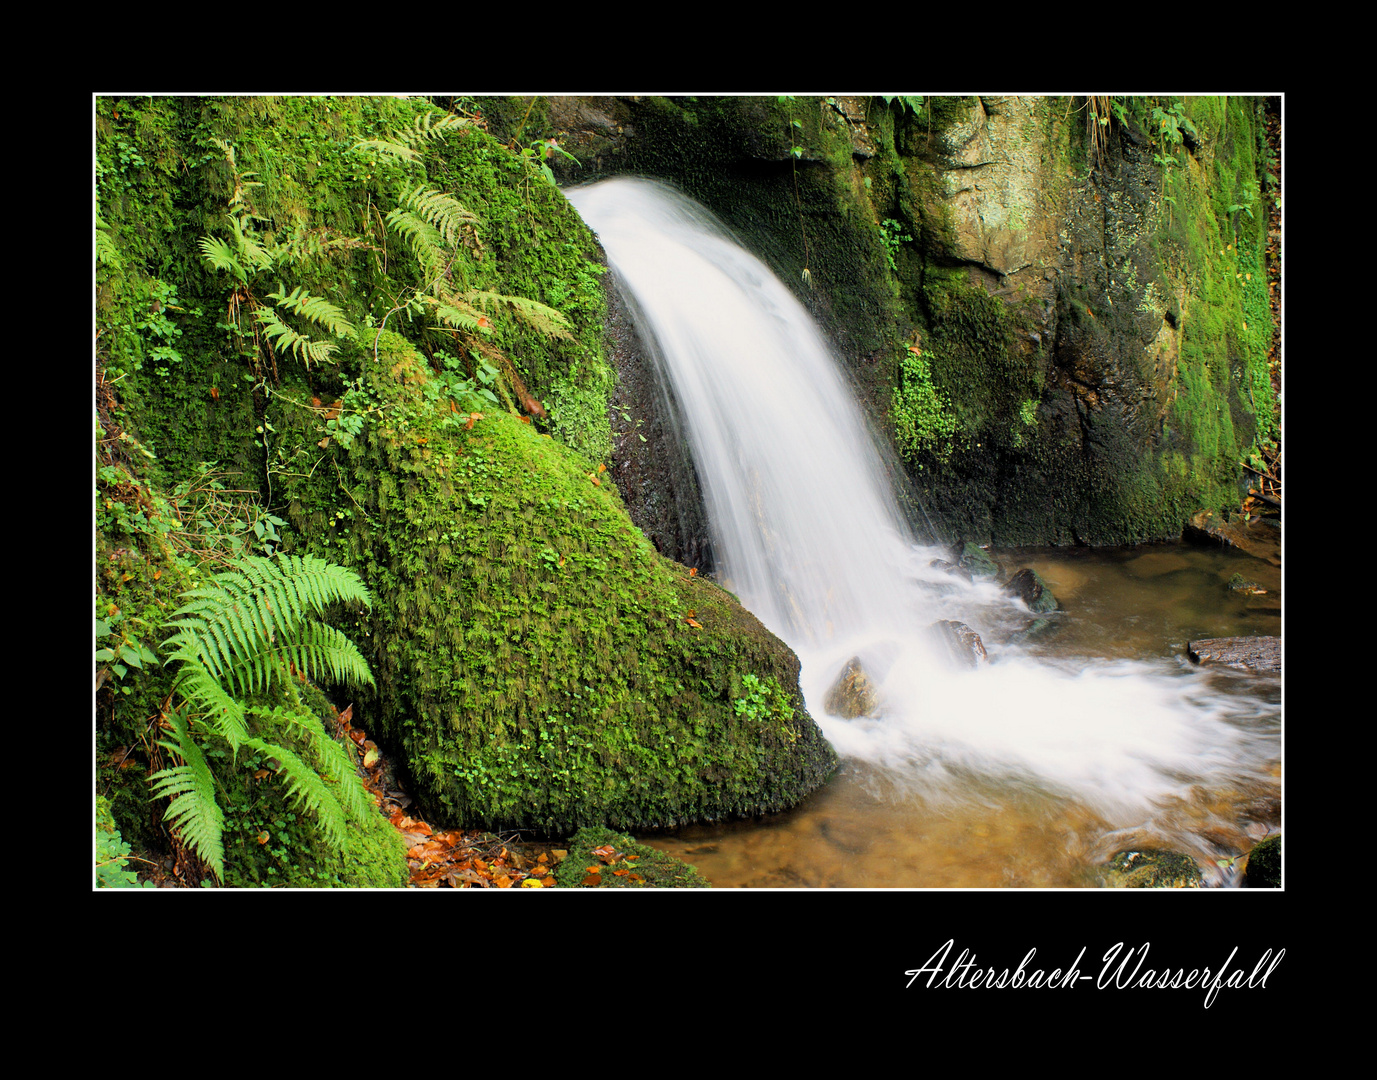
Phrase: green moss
(1264, 864)
(652, 869)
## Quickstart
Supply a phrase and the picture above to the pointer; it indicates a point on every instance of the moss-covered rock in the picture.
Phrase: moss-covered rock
(538, 662)
(1150, 868)
(603, 859)
(1264, 865)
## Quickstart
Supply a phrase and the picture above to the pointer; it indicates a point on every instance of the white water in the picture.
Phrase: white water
(806, 532)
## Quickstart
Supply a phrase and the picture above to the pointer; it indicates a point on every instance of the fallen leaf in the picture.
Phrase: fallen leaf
(532, 883)
(263, 837)
(371, 758)
(592, 879)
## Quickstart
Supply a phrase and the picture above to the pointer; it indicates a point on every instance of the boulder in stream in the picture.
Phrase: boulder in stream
(1249, 653)
(853, 694)
(1029, 587)
(1151, 868)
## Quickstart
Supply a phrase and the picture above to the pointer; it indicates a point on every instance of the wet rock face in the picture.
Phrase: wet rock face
(1248, 653)
(853, 694)
(651, 463)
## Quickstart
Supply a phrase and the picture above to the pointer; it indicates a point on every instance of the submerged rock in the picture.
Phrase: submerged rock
(1151, 868)
(853, 694)
(1264, 865)
(1238, 583)
(1028, 586)
(1249, 653)
(962, 643)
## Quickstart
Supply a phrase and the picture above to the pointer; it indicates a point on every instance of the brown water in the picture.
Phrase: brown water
(874, 826)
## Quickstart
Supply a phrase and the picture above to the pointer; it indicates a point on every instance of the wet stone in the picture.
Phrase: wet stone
(853, 694)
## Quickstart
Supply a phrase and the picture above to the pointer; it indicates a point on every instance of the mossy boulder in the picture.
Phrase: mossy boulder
(539, 664)
(603, 859)
(1151, 868)
(1264, 865)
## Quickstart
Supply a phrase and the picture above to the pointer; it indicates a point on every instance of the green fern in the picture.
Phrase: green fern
(540, 317)
(319, 311)
(240, 637)
(285, 338)
(426, 127)
(193, 810)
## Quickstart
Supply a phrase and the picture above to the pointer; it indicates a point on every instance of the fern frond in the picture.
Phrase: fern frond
(389, 147)
(442, 211)
(308, 789)
(319, 311)
(222, 257)
(540, 317)
(426, 243)
(320, 651)
(252, 252)
(434, 125)
(220, 712)
(331, 761)
(284, 337)
(106, 252)
(193, 811)
(240, 628)
(458, 314)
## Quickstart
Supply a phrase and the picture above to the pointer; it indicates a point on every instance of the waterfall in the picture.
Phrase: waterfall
(807, 533)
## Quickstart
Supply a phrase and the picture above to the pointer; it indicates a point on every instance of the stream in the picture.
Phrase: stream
(1086, 733)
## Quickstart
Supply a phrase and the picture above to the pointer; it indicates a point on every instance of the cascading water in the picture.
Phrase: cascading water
(807, 533)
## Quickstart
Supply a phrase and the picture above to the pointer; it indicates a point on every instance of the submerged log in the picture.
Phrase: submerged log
(1250, 653)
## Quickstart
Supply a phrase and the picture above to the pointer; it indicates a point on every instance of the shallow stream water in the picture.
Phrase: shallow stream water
(877, 825)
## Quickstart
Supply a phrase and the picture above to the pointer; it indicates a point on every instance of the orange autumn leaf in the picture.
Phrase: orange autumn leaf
(602, 469)
(592, 879)
(693, 571)
(620, 873)
(503, 882)
(694, 623)
(263, 837)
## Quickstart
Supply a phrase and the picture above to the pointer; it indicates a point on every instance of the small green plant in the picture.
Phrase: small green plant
(112, 853)
(539, 154)
(762, 701)
(119, 652)
(924, 422)
(892, 235)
